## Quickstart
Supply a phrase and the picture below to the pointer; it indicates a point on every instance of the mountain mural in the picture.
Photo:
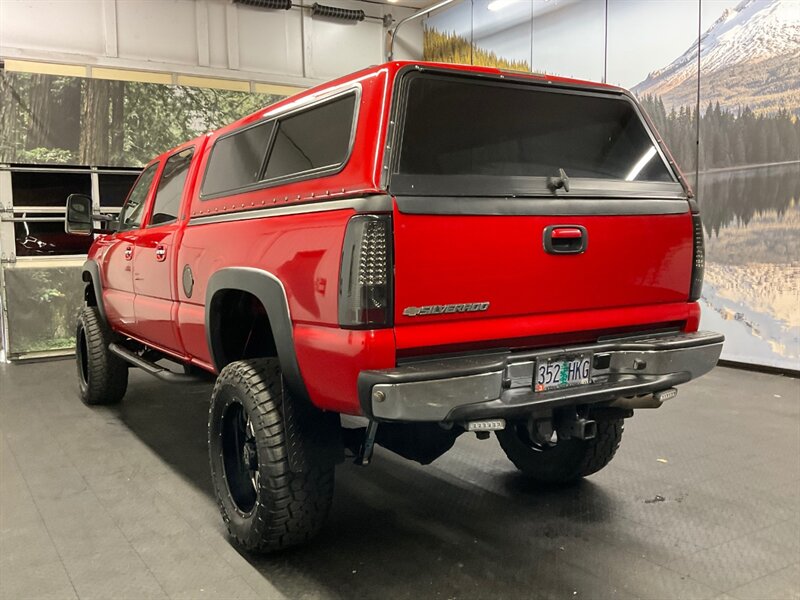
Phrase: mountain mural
(749, 57)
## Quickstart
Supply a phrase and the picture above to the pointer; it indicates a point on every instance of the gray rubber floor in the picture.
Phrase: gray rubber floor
(702, 501)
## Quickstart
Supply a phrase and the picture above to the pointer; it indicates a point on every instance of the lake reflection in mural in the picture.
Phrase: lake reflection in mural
(752, 285)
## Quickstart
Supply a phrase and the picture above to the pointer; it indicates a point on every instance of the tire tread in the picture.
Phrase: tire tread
(293, 505)
(108, 374)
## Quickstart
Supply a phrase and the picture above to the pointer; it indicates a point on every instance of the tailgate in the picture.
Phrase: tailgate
(523, 210)
(443, 260)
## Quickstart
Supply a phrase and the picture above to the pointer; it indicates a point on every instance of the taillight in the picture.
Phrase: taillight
(698, 259)
(365, 281)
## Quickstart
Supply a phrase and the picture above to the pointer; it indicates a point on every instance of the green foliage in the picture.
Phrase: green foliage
(727, 138)
(45, 155)
(438, 46)
(159, 117)
(54, 120)
(41, 307)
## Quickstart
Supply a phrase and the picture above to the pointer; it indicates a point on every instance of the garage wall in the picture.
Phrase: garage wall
(206, 37)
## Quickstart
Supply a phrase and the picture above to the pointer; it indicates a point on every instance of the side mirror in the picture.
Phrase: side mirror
(79, 215)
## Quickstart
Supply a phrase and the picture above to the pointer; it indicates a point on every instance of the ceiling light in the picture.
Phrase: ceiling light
(499, 4)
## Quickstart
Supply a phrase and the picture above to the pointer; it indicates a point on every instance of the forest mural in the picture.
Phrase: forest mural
(745, 170)
(55, 120)
(48, 119)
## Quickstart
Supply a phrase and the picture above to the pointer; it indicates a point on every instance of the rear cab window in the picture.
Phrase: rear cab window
(463, 135)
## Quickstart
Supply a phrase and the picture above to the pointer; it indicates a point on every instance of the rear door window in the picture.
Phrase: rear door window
(456, 126)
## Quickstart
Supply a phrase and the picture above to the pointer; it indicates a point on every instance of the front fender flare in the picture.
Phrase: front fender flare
(91, 274)
(270, 292)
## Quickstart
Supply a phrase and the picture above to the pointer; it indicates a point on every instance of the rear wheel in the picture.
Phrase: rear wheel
(102, 376)
(565, 461)
(265, 505)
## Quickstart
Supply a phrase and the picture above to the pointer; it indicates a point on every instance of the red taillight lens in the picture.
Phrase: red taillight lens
(698, 259)
(365, 290)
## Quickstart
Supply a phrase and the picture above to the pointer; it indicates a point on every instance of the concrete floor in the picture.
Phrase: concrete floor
(702, 501)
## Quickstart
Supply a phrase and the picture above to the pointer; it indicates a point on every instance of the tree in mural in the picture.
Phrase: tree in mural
(453, 48)
(727, 138)
(49, 119)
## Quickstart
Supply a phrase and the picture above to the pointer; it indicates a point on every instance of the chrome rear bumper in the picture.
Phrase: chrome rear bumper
(500, 384)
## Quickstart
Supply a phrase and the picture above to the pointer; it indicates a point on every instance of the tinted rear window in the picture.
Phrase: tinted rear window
(465, 127)
(314, 139)
(236, 160)
(304, 144)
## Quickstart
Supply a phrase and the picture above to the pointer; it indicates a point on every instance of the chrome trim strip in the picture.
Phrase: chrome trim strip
(363, 204)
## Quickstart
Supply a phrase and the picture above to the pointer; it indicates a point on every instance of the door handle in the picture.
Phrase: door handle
(565, 239)
(161, 253)
(128, 252)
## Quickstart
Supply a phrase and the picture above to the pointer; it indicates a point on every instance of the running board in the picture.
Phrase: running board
(152, 368)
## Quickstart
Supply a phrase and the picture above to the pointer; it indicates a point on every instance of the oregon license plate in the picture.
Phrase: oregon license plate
(562, 372)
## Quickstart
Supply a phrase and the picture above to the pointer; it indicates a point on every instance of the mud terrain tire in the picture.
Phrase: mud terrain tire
(265, 505)
(566, 462)
(102, 376)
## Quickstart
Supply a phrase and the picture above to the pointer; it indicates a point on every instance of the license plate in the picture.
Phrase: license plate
(562, 372)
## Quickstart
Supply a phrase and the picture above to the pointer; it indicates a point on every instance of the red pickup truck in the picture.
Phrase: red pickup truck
(440, 249)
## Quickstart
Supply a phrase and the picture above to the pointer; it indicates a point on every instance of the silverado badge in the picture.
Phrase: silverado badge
(441, 309)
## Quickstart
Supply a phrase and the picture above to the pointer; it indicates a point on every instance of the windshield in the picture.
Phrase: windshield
(456, 126)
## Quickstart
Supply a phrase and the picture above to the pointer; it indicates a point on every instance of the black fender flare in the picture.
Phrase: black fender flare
(270, 292)
(91, 274)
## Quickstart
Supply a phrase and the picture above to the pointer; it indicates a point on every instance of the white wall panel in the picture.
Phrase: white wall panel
(55, 25)
(270, 41)
(233, 41)
(217, 37)
(336, 49)
(162, 30)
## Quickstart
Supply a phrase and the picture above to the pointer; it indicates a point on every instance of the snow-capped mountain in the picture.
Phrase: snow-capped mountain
(750, 55)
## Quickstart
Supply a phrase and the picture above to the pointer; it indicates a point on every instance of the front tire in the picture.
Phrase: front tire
(102, 376)
(265, 505)
(567, 461)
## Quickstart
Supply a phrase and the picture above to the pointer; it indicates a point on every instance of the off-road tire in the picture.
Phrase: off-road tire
(102, 376)
(290, 507)
(566, 462)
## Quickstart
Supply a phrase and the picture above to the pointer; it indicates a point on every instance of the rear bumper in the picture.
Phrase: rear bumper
(499, 384)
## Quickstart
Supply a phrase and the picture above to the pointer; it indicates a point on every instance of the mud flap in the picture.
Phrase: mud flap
(313, 436)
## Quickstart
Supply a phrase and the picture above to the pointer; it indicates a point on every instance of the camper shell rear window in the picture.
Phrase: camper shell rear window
(462, 135)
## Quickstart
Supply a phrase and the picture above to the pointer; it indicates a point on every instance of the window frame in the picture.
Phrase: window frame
(276, 118)
(444, 185)
(146, 224)
(156, 165)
